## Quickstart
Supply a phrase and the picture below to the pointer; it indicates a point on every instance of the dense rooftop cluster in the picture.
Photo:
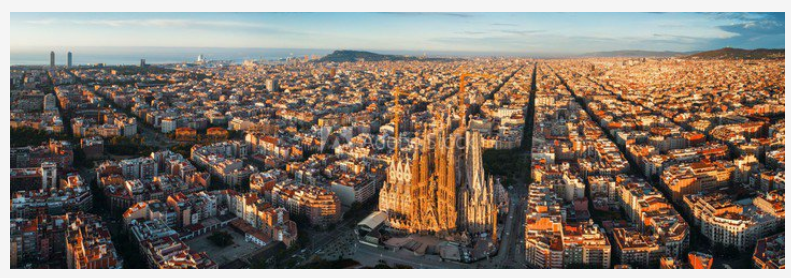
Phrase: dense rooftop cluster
(628, 160)
(697, 141)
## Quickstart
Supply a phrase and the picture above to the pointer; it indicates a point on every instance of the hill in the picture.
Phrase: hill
(355, 55)
(736, 53)
(634, 54)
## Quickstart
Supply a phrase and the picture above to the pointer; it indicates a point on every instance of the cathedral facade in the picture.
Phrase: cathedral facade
(439, 187)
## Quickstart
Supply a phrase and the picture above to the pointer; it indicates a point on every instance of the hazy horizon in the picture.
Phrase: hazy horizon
(164, 55)
(434, 34)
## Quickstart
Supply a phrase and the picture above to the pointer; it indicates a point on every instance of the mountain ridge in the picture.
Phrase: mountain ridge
(358, 55)
(722, 53)
(738, 53)
(635, 54)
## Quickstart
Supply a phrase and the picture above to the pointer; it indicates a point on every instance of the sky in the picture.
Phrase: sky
(407, 33)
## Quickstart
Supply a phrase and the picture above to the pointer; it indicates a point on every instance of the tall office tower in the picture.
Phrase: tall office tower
(142, 63)
(49, 175)
(68, 63)
(52, 59)
(272, 85)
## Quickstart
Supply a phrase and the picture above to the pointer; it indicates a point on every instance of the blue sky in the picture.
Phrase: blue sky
(483, 33)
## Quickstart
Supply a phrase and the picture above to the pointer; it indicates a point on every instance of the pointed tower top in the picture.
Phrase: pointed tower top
(396, 121)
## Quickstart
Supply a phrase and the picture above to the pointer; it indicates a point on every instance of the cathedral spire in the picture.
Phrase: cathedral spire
(494, 226)
(396, 121)
(462, 92)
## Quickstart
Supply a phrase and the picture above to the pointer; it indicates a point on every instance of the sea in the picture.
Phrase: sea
(115, 57)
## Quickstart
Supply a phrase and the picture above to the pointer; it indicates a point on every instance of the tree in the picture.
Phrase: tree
(221, 238)
(182, 149)
(81, 160)
(26, 136)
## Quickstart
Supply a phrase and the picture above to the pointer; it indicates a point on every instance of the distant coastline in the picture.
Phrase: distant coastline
(120, 60)
(113, 56)
(156, 56)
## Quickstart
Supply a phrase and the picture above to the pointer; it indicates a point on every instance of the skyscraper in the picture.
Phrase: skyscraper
(272, 85)
(52, 59)
(68, 63)
(142, 63)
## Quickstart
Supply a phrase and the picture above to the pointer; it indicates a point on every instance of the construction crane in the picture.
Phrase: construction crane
(398, 111)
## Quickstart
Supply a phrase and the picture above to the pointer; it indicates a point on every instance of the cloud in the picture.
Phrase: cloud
(502, 31)
(41, 21)
(488, 41)
(219, 25)
(168, 23)
(751, 30)
(521, 32)
(457, 15)
(679, 38)
(472, 32)
(501, 40)
(159, 23)
(462, 15)
(504, 24)
(592, 39)
(479, 31)
(672, 26)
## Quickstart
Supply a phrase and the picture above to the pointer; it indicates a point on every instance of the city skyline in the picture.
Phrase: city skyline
(397, 140)
(467, 34)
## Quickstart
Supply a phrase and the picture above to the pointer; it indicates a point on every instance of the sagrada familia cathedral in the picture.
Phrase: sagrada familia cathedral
(440, 187)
